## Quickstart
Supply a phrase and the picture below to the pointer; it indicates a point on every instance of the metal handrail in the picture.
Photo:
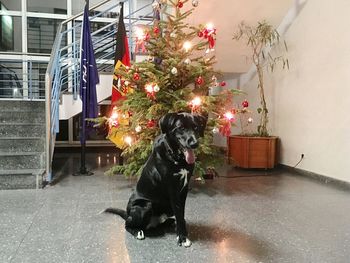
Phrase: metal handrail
(91, 8)
(15, 83)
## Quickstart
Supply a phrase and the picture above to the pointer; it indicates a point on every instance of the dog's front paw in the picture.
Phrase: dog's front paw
(183, 241)
(140, 235)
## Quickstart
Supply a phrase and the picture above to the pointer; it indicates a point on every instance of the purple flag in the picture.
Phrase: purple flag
(88, 71)
(88, 74)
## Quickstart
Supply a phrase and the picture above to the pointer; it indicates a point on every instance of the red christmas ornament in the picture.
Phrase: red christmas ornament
(180, 4)
(225, 130)
(151, 123)
(147, 36)
(222, 83)
(136, 76)
(156, 30)
(199, 80)
(245, 104)
(209, 33)
(114, 123)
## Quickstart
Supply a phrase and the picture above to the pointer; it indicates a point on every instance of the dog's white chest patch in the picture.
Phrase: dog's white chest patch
(183, 176)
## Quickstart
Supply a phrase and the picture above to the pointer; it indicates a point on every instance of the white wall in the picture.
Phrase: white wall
(70, 107)
(309, 103)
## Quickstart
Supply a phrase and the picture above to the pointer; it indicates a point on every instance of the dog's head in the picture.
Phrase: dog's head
(184, 129)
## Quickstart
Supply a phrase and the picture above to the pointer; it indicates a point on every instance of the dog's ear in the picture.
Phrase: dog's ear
(167, 122)
(201, 123)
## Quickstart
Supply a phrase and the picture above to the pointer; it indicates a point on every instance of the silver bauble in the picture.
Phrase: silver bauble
(174, 71)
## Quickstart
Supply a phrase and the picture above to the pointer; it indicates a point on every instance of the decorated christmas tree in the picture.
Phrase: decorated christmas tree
(177, 76)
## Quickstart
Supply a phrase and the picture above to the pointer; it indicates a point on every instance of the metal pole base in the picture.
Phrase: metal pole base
(83, 172)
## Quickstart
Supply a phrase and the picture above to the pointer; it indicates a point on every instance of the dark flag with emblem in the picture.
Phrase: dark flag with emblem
(121, 55)
(88, 80)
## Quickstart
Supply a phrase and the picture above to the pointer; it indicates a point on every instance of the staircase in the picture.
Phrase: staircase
(22, 144)
(30, 107)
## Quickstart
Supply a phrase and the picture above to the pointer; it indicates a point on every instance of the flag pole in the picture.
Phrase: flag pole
(87, 87)
(82, 169)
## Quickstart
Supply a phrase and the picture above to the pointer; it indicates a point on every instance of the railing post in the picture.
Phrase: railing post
(48, 133)
(30, 82)
(130, 2)
(70, 59)
(76, 63)
(25, 77)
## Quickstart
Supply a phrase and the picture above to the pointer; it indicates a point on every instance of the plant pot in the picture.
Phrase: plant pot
(252, 152)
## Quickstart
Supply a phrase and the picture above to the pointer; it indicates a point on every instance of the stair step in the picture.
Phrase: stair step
(22, 144)
(21, 171)
(13, 105)
(19, 110)
(21, 138)
(11, 162)
(22, 116)
(21, 179)
(18, 129)
(18, 153)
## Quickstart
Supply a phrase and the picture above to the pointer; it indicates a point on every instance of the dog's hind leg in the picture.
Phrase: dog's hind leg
(137, 233)
(134, 229)
(137, 222)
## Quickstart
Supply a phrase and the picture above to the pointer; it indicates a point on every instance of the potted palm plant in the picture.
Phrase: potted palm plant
(258, 150)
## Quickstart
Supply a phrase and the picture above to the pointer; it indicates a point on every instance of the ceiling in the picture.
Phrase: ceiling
(226, 15)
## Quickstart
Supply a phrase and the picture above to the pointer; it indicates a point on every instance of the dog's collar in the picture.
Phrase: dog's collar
(171, 154)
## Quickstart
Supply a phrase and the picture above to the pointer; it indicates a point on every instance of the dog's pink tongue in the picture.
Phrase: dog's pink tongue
(189, 155)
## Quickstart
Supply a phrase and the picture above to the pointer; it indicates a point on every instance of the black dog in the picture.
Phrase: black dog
(162, 189)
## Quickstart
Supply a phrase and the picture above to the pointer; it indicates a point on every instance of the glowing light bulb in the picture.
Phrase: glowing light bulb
(114, 115)
(229, 115)
(149, 88)
(128, 140)
(209, 26)
(196, 102)
(140, 34)
(187, 46)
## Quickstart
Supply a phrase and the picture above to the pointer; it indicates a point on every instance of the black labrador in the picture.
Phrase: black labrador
(162, 188)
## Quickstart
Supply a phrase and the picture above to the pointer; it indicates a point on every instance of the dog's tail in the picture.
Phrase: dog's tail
(116, 211)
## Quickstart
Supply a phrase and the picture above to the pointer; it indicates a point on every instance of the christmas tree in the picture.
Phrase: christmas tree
(177, 77)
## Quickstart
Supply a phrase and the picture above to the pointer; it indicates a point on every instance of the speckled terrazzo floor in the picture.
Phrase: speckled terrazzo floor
(258, 217)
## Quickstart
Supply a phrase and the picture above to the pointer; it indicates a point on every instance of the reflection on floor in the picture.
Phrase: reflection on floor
(255, 216)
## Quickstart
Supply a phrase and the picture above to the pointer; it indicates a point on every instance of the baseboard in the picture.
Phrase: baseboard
(319, 177)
